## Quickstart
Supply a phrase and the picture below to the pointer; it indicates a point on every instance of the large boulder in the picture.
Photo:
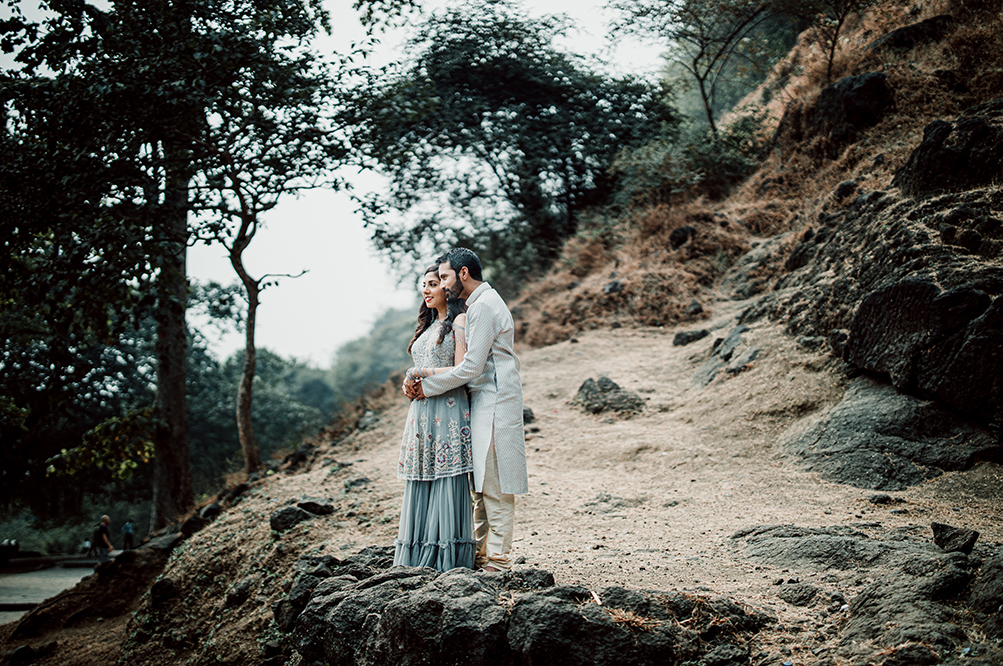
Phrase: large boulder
(911, 36)
(880, 439)
(943, 343)
(959, 155)
(839, 112)
(605, 395)
(406, 616)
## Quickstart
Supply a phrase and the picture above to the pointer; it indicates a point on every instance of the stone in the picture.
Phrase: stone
(954, 539)
(605, 395)
(907, 37)
(728, 654)
(694, 309)
(960, 155)
(163, 589)
(288, 517)
(707, 372)
(880, 439)
(166, 543)
(614, 287)
(192, 525)
(742, 362)
(210, 511)
(731, 342)
(316, 505)
(987, 590)
(845, 190)
(356, 483)
(239, 592)
(367, 421)
(679, 236)
(686, 337)
(799, 594)
(527, 416)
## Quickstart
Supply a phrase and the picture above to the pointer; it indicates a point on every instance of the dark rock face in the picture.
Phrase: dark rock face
(679, 236)
(411, 616)
(880, 439)
(917, 596)
(986, 597)
(931, 30)
(686, 337)
(959, 155)
(943, 343)
(318, 506)
(605, 395)
(839, 112)
(799, 594)
(288, 517)
(954, 539)
(724, 356)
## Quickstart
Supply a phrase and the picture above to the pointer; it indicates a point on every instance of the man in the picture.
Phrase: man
(127, 533)
(490, 370)
(102, 539)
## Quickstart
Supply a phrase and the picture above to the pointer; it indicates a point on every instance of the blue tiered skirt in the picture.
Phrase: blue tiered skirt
(437, 525)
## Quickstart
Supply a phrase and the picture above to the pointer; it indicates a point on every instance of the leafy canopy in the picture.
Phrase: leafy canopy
(492, 137)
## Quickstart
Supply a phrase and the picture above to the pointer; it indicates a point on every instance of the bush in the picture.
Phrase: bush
(700, 163)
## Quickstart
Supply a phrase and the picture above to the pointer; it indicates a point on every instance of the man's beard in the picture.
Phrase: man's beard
(454, 291)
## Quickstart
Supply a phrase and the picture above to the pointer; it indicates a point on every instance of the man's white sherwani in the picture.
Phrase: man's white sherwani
(490, 369)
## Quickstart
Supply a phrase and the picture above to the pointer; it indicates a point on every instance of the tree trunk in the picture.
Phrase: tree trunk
(705, 97)
(248, 442)
(172, 484)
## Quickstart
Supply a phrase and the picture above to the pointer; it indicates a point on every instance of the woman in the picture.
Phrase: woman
(436, 528)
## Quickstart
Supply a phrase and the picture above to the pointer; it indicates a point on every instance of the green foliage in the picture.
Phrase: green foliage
(493, 138)
(700, 162)
(719, 50)
(118, 444)
(365, 363)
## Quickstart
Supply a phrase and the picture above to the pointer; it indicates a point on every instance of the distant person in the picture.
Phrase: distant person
(490, 369)
(436, 526)
(89, 548)
(128, 531)
(102, 539)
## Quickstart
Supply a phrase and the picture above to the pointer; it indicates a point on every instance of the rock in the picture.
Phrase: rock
(954, 539)
(931, 30)
(210, 511)
(605, 395)
(614, 287)
(316, 505)
(163, 589)
(810, 342)
(235, 492)
(404, 615)
(742, 362)
(686, 337)
(881, 498)
(731, 342)
(356, 482)
(845, 189)
(679, 236)
(707, 372)
(193, 525)
(880, 439)
(897, 323)
(239, 592)
(799, 594)
(694, 309)
(959, 155)
(838, 113)
(728, 654)
(288, 517)
(166, 543)
(367, 421)
(911, 654)
(27, 654)
(987, 591)
(527, 416)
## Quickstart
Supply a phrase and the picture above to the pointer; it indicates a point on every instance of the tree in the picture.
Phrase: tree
(707, 39)
(827, 18)
(494, 138)
(121, 106)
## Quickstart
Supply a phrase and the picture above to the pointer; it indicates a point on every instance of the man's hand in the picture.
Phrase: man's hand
(419, 392)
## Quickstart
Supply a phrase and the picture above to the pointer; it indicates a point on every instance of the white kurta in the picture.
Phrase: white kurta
(490, 370)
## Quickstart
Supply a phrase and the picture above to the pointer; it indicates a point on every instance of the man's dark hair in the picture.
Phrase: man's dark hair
(459, 257)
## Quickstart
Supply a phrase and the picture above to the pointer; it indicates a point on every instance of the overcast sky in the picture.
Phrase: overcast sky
(347, 285)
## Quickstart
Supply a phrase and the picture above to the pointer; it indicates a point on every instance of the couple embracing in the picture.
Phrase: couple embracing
(463, 458)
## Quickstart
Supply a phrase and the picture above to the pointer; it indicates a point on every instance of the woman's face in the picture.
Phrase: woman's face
(431, 291)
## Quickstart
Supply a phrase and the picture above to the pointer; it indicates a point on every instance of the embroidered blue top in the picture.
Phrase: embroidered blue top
(436, 441)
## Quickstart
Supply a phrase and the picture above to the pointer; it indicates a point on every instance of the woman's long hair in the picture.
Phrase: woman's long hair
(427, 316)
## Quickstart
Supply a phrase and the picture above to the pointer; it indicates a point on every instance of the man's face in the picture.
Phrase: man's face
(449, 280)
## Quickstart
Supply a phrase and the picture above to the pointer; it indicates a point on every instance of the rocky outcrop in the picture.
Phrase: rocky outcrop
(916, 604)
(406, 615)
(959, 155)
(910, 36)
(838, 114)
(880, 439)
